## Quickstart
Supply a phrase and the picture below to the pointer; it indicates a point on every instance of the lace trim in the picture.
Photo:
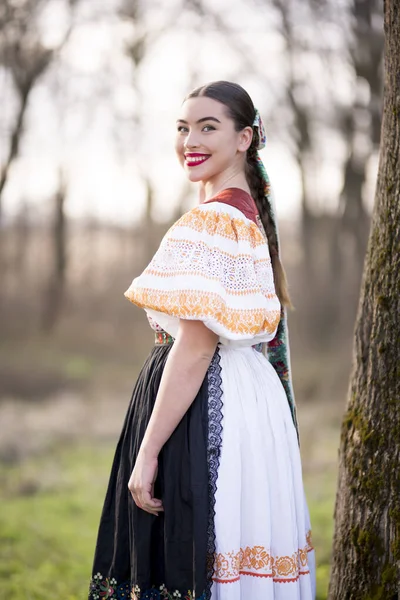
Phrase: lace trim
(214, 443)
(106, 588)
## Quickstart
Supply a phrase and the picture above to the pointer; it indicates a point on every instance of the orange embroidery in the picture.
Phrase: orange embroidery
(220, 223)
(256, 561)
(201, 305)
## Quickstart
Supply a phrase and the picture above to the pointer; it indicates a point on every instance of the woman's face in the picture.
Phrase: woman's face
(207, 144)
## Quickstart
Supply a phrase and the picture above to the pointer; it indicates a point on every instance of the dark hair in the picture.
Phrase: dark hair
(240, 109)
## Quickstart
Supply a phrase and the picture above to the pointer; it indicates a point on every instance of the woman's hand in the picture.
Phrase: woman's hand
(141, 483)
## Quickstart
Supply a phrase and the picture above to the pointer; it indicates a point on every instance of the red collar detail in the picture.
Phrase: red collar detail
(239, 199)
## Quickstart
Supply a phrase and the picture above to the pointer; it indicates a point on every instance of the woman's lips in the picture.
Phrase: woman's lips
(193, 160)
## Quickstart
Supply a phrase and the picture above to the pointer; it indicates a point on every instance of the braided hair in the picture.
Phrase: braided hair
(241, 110)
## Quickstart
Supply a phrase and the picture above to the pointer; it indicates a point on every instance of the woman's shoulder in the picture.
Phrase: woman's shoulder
(229, 215)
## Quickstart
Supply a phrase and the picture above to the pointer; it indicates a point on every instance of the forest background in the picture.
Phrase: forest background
(89, 93)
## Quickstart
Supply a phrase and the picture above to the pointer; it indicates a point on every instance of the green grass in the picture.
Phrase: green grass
(50, 510)
(48, 522)
(320, 490)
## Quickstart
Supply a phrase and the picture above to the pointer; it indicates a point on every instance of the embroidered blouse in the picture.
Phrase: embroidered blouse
(212, 265)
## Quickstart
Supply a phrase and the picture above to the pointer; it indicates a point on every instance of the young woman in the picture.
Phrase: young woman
(205, 499)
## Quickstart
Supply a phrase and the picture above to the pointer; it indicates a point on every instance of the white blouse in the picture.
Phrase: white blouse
(212, 265)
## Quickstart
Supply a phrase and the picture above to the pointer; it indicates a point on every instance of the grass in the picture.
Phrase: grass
(320, 490)
(50, 512)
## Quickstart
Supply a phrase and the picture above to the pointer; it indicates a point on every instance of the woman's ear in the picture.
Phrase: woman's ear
(245, 138)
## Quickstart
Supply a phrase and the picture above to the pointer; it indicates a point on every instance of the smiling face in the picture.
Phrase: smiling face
(207, 145)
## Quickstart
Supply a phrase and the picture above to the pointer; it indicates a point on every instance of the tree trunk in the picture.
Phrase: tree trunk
(56, 286)
(366, 547)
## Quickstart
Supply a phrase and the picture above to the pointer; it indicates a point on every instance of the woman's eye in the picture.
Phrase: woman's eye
(206, 128)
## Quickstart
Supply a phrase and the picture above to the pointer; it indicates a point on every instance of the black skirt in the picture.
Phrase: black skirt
(142, 556)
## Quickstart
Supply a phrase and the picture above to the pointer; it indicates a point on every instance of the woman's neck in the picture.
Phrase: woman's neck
(210, 189)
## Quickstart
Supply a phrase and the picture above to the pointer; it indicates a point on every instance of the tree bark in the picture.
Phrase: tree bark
(366, 547)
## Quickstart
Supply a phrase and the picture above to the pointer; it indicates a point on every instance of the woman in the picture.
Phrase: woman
(206, 498)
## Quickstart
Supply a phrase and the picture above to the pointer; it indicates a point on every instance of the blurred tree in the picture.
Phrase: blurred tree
(360, 127)
(144, 36)
(333, 244)
(26, 58)
(366, 549)
(24, 55)
(303, 118)
(56, 285)
(134, 12)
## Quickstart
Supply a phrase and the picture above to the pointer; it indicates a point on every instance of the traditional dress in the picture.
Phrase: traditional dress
(235, 524)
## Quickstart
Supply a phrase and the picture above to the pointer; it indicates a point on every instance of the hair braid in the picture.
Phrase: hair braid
(257, 188)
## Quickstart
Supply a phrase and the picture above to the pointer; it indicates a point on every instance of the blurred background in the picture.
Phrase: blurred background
(89, 94)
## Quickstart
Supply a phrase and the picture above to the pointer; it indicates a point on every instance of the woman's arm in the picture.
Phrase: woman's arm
(183, 374)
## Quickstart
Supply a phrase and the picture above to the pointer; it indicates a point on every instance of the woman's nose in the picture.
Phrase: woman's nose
(191, 140)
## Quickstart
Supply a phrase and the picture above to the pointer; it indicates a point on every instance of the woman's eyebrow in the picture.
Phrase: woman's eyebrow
(200, 120)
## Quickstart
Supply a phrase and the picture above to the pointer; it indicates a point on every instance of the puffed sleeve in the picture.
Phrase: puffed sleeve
(212, 265)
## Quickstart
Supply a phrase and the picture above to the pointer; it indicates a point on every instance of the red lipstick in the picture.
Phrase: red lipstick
(193, 159)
